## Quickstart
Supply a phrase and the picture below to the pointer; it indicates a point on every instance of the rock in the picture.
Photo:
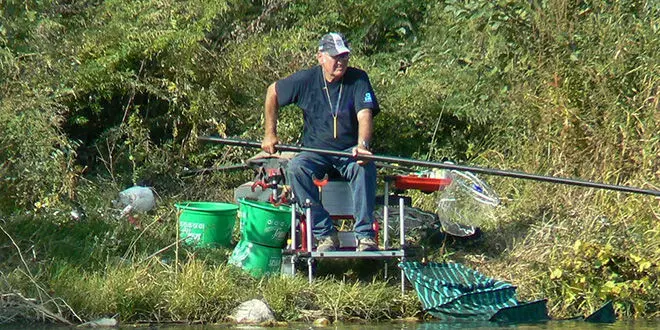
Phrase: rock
(100, 323)
(252, 311)
(321, 322)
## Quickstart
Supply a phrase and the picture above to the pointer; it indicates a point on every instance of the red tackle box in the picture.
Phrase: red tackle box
(424, 184)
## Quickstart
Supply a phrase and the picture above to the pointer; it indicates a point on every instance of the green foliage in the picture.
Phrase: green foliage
(607, 273)
(38, 161)
(621, 265)
(99, 95)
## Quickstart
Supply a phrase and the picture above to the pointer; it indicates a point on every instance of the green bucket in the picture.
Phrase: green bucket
(256, 259)
(206, 224)
(264, 224)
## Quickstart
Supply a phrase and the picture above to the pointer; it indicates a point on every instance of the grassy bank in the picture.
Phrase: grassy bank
(103, 266)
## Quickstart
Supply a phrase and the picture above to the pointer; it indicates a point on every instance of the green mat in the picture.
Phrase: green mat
(451, 291)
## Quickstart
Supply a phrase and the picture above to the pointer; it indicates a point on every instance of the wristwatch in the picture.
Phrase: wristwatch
(364, 144)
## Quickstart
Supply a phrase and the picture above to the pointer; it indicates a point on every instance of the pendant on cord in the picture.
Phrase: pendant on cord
(334, 112)
(335, 126)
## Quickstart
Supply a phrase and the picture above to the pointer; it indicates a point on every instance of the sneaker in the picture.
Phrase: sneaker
(328, 243)
(366, 244)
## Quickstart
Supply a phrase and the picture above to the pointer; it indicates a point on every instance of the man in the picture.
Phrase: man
(338, 105)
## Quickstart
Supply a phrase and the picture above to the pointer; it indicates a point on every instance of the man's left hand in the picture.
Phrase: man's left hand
(358, 152)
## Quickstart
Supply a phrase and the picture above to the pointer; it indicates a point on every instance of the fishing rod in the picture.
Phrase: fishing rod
(414, 162)
(188, 172)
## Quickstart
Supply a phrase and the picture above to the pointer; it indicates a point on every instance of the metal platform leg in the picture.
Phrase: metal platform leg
(403, 279)
(386, 200)
(310, 276)
(402, 237)
(294, 243)
(386, 233)
(308, 219)
(288, 266)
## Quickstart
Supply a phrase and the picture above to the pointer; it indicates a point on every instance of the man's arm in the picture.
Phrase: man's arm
(270, 125)
(365, 132)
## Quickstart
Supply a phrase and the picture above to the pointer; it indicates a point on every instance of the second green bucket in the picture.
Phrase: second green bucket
(258, 260)
(207, 223)
(264, 223)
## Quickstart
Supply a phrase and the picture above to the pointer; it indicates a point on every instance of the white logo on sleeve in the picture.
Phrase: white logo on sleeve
(367, 98)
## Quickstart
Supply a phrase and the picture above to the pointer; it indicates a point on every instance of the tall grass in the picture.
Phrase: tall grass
(199, 293)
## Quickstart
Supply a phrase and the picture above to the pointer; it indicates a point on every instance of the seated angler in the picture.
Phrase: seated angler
(338, 106)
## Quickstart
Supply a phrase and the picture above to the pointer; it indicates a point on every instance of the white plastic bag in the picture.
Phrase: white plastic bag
(136, 199)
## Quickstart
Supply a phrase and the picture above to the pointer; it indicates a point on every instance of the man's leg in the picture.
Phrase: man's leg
(362, 179)
(299, 175)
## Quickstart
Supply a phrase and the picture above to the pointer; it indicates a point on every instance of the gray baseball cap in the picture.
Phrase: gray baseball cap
(334, 44)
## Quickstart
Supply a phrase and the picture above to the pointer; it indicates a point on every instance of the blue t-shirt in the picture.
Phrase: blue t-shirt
(307, 90)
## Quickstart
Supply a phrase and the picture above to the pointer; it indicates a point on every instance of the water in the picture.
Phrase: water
(551, 325)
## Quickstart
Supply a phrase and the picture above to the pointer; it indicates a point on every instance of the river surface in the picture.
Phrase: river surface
(551, 325)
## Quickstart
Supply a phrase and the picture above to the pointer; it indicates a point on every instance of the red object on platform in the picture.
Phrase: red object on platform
(303, 234)
(424, 184)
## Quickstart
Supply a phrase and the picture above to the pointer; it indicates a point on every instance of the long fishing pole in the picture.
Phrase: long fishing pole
(414, 162)
(207, 170)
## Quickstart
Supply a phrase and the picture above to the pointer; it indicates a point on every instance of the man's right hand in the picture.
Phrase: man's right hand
(269, 142)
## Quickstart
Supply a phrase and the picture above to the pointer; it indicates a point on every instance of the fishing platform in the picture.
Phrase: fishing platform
(336, 199)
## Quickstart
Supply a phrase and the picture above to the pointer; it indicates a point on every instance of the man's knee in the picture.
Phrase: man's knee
(300, 168)
(358, 170)
(299, 164)
(293, 166)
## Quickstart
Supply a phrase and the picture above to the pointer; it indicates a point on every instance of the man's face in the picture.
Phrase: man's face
(334, 66)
